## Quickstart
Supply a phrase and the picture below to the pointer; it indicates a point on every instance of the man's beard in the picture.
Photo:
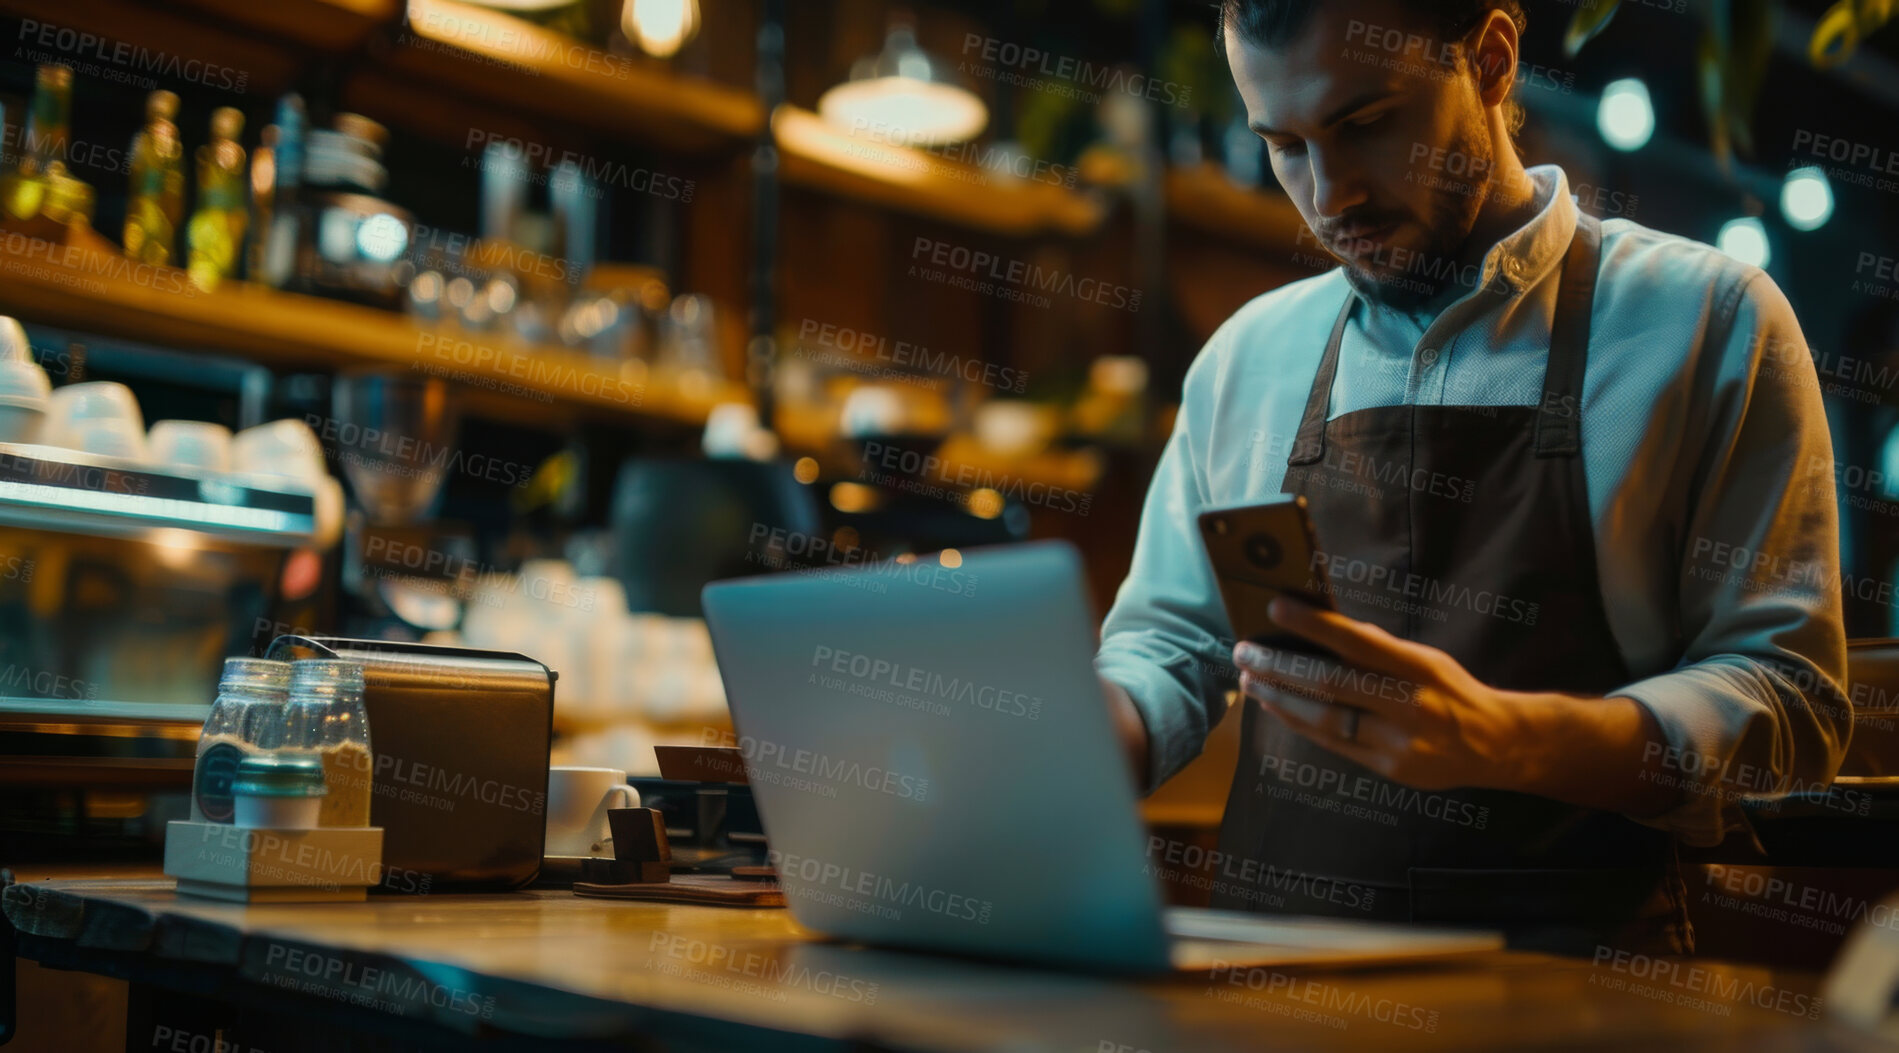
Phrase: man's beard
(1406, 278)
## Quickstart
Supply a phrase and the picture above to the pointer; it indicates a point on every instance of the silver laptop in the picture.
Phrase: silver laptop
(936, 768)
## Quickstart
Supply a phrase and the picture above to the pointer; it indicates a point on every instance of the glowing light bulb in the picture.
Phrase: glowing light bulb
(1626, 117)
(660, 27)
(1745, 240)
(1806, 199)
(382, 237)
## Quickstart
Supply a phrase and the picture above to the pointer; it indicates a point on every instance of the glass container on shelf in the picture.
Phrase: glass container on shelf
(39, 184)
(1114, 407)
(689, 339)
(251, 697)
(324, 715)
(216, 232)
(355, 244)
(155, 202)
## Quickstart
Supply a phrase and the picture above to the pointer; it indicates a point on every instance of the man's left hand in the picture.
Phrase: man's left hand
(1423, 720)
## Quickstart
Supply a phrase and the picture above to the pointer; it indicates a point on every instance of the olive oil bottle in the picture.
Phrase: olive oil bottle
(39, 185)
(215, 236)
(156, 202)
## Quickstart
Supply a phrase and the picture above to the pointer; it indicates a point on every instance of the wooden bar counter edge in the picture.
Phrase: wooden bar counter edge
(555, 967)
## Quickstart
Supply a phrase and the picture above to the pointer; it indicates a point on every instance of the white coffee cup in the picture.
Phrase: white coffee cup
(23, 378)
(13, 343)
(20, 418)
(97, 417)
(284, 448)
(24, 392)
(190, 444)
(577, 803)
(106, 436)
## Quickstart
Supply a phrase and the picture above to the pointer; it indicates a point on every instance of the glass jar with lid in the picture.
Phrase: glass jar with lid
(280, 791)
(325, 716)
(251, 695)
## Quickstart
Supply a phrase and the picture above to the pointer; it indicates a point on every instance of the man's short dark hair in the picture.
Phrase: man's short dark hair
(1275, 23)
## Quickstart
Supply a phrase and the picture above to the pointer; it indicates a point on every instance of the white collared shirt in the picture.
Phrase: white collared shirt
(1708, 463)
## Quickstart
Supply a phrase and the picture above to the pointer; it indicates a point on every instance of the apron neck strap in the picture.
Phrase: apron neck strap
(1559, 414)
(1308, 447)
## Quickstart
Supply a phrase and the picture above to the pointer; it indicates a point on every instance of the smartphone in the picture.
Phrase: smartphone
(1259, 552)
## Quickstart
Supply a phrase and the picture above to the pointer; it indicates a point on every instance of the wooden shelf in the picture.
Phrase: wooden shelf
(103, 293)
(449, 62)
(222, 57)
(473, 52)
(818, 156)
(960, 456)
(489, 55)
(100, 292)
(1202, 197)
(327, 25)
(1075, 470)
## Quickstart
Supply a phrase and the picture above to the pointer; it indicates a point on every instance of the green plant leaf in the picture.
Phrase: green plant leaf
(1744, 67)
(1835, 36)
(1871, 14)
(1591, 18)
(1731, 59)
(1708, 63)
(1193, 74)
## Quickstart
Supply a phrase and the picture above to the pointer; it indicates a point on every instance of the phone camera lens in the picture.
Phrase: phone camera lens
(1263, 551)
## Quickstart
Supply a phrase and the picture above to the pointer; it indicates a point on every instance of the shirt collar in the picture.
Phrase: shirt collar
(1520, 260)
(1525, 257)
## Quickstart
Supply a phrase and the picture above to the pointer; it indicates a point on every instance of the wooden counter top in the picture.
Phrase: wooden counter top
(553, 966)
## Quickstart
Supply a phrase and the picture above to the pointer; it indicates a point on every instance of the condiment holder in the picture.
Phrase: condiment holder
(275, 852)
(259, 864)
(260, 798)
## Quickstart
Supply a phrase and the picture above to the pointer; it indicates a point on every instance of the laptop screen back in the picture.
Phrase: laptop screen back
(933, 759)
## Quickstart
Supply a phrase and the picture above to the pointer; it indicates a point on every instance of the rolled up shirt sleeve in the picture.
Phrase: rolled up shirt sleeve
(1166, 639)
(1756, 706)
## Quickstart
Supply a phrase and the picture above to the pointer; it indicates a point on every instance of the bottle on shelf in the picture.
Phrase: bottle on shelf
(281, 238)
(325, 716)
(39, 184)
(215, 236)
(251, 696)
(155, 202)
(263, 201)
(356, 244)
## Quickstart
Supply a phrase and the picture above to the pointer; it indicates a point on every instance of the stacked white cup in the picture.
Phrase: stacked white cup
(287, 450)
(98, 416)
(23, 386)
(195, 445)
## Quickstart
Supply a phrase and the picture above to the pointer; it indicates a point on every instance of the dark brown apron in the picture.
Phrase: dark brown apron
(1466, 528)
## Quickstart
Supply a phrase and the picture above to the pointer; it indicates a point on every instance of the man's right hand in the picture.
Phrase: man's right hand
(1131, 730)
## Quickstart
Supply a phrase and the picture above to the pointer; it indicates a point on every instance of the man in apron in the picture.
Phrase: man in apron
(1573, 486)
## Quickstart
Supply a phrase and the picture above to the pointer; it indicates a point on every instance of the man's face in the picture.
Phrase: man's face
(1354, 111)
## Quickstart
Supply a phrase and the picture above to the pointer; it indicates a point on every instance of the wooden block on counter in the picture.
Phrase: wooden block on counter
(255, 865)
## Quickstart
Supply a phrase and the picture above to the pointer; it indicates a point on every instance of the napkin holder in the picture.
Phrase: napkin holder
(460, 739)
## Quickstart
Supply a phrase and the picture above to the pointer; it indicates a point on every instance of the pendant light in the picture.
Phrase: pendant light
(904, 95)
(660, 27)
